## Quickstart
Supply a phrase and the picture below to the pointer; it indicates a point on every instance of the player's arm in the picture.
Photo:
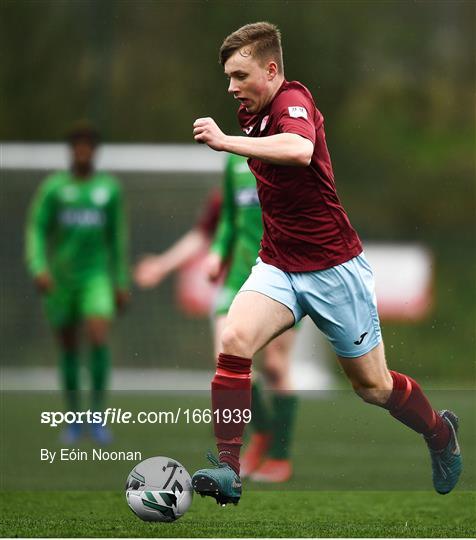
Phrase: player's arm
(186, 248)
(36, 236)
(119, 238)
(152, 269)
(281, 149)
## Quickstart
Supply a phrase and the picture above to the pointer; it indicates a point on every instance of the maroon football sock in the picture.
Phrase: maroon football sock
(231, 396)
(409, 405)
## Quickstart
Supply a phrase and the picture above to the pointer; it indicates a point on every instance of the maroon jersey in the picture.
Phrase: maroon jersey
(210, 215)
(305, 226)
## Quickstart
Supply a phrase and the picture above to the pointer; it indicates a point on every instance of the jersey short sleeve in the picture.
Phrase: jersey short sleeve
(294, 112)
(39, 221)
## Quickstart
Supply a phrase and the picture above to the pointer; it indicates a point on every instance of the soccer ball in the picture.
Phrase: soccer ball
(159, 489)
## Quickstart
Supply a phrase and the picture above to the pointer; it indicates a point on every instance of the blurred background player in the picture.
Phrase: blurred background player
(76, 241)
(235, 246)
(236, 233)
(187, 254)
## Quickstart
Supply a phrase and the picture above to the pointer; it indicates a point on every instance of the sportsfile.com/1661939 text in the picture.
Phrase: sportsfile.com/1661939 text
(119, 416)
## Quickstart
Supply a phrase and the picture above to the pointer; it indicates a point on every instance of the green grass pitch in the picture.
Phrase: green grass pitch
(259, 514)
(358, 473)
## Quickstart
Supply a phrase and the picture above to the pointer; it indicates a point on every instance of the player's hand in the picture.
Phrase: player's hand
(44, 282)
(213, 265)
(206, 131)
(150, 271)
(122, 299)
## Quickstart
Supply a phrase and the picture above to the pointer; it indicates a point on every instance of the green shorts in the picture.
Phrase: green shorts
(93, 297)
(232, 284)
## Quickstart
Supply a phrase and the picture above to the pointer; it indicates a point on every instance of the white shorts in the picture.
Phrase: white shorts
(340, 300)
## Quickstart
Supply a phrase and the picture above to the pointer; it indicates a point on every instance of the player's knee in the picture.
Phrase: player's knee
(68, 341)
(374, 393)
(272, 373)
(275, 371)
(97, 331)
(97, 336)
(275, 349)
(235, 341)
(69, 346)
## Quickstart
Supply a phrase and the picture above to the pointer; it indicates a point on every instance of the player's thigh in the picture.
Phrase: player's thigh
(218, 327)
(342, 303)
(232, 284)
(253, 320)
(277, 353)
(67, 337)
(96, 307)
(369, 375)
(96, 299)
(61, 307)
(277, 360)
(368, 370)
(265, 306)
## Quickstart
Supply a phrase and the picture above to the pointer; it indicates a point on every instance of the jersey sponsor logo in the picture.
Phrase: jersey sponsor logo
(100, 196)
(248, 129)
(264, 122)
(247, 197)
(297, 112)
(82, 217)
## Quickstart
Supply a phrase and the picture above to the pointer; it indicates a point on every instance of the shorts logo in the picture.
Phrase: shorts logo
(362, 337)
(297, 112)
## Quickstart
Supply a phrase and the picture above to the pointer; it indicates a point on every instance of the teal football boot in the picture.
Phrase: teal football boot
(220, 482)
(447, 463)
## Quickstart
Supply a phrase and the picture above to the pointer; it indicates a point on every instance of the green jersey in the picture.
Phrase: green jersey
(76, 229)
(240, 228)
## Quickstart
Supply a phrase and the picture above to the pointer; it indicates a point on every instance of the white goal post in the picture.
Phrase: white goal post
(403, 272)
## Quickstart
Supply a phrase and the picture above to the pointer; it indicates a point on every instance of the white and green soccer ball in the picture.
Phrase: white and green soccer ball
(159, 489)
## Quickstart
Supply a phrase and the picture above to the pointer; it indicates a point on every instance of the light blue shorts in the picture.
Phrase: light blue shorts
(340, 300)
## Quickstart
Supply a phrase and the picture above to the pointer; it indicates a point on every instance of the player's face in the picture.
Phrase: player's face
(249, 80)
(82, 152)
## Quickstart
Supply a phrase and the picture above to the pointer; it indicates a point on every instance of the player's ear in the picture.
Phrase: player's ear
(272, 70)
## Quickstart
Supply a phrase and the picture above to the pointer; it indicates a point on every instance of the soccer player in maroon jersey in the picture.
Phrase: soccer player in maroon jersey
(311, 263)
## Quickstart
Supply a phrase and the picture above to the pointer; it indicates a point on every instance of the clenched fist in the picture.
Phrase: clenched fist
(206, 131)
